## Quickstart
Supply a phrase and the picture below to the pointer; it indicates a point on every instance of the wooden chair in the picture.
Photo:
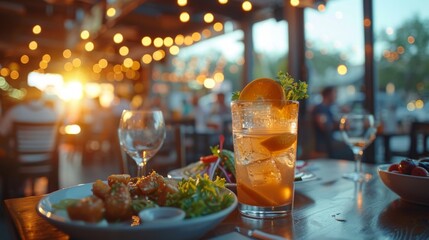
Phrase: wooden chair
(34, 154)
(419, 140)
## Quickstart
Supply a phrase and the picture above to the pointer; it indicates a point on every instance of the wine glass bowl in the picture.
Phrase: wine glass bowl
(141, 134)
(358, 131)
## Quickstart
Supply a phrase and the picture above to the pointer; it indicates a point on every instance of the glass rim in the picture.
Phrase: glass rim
(264, 100)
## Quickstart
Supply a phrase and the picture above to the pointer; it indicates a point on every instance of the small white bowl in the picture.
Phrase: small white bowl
(161, 214)
(410, 188)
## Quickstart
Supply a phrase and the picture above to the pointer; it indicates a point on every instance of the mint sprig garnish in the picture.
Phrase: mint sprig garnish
(294, 90)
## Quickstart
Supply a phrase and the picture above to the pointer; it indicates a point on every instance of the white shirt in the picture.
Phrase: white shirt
(35, 111)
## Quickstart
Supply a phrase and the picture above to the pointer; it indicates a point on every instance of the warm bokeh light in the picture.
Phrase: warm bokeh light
(419, 104)
(5, 72)
(14, 74)
(68, 66)
(321, 7)
(89, 46)
(24, 59)
(342, 69)
(218, 77)
(158, 55)
(103, 63)
(206, 32)
(208, 17)
(294, 3)
(411, 39)
(168, 41)
(184, 17)
(147, 58)
(128, 62)
(67, 53)
(174, 50)
(76, 62)
(158, 42)
(196, 36)
(37, 29)
(146, 41)
(188, 41)
(46, 58)
(246, 6)
(123, 51)
(72, 129)
(118, 38)
(182, 3)
(367, 22)
(32, 45)
(43, 64)
(218, 26)
(111, 12)
(136, 65)
(223, 1)
(411, 106)
(209, 83)
(96, 68)
(179, 39)
(84, 34)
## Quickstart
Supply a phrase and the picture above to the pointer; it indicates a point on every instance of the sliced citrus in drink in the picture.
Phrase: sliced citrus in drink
(279, 142)
(262, 89)
(257, 198)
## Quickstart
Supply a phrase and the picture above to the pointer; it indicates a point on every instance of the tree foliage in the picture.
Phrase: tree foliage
(405, 58)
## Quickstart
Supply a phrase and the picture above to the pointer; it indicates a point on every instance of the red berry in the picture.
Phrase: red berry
(406, 166)
(419, 171)
(393, 167)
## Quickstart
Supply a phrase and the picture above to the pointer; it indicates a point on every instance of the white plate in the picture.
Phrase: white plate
(305, 176)
(187, 229)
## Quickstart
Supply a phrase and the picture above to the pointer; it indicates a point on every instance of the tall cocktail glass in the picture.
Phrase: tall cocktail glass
(265, 142)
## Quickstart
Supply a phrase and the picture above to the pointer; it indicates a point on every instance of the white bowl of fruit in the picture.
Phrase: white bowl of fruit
(409, 179)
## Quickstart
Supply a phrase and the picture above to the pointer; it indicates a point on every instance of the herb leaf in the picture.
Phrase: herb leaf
(200, 196)
(294, 90)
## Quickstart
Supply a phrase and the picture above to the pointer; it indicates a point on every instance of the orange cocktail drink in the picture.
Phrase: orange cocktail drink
(265, 143)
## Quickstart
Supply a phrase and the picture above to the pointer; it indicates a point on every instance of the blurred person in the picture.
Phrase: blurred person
(32, 109)
(220, 112)
(324, 123)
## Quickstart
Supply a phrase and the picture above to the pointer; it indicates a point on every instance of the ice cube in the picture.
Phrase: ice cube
(287, 157)
(248, 149)
(263, 172)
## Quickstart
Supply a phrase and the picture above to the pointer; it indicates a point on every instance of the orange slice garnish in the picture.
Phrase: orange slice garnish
(279, 142)
(258, 198)
(262, 89)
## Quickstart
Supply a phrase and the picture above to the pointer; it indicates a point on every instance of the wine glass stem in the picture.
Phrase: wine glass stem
(358, 161)
(141, 170)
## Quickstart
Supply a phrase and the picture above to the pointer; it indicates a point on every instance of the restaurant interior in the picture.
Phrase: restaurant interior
(91, 59)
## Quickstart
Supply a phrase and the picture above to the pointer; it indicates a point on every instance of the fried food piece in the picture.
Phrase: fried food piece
(89, 209)
(123, 178)
(156, 188)
(100, 189)
(118, 203)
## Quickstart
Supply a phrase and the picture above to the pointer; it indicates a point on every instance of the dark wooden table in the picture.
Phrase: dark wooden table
(327, 208)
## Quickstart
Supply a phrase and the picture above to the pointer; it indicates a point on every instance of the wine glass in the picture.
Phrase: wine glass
(141, 135)
(358, 132)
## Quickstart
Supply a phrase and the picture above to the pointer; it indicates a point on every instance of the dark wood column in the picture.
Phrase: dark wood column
(247, 76)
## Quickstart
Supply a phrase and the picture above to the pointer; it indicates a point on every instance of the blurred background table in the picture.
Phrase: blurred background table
(329, 207)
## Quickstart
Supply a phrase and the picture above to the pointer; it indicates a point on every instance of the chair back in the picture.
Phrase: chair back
(35, 152)
(418, 144)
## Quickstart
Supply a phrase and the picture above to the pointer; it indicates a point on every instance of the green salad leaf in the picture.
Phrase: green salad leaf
(200, 196)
